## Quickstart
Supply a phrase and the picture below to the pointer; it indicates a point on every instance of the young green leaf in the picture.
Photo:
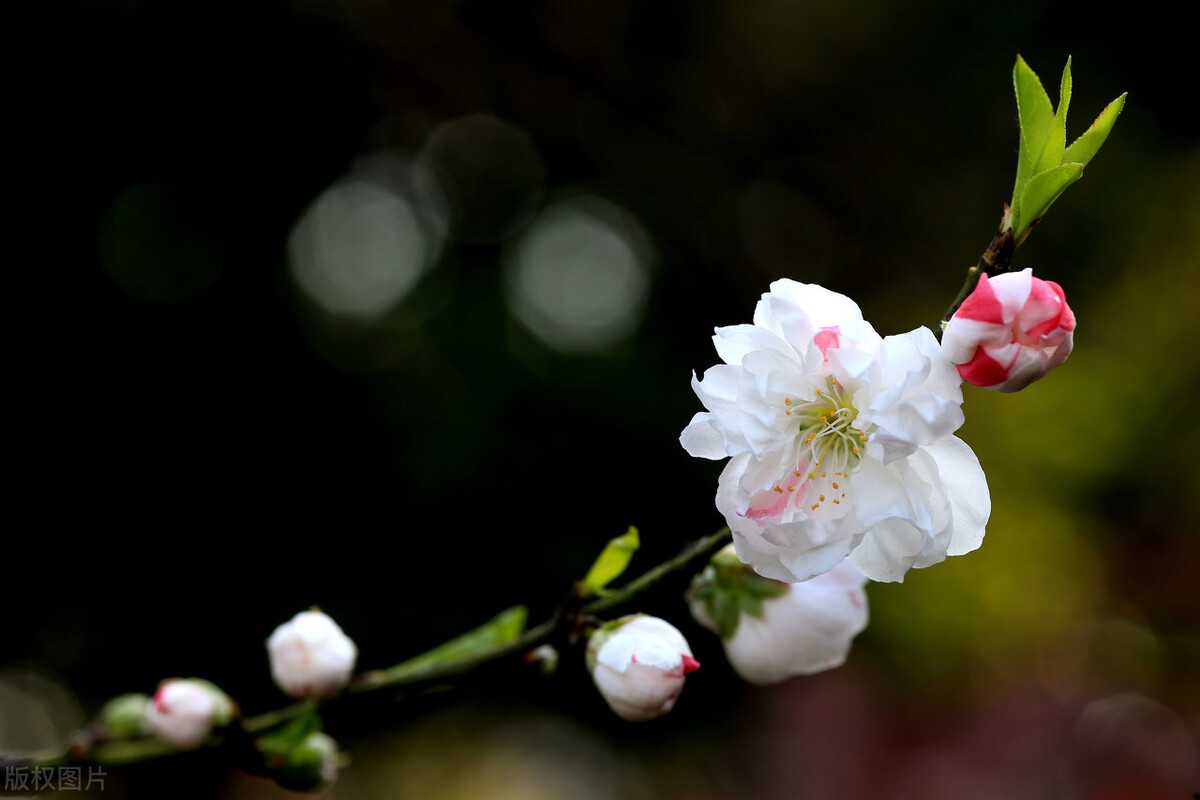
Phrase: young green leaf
(1040, 192)
(499, 630)
(1045, 165)
(1056, 142)
(612, 562)
(1084, 148)
(1036, 118)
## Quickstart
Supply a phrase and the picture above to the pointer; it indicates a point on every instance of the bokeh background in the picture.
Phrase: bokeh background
(391, 307)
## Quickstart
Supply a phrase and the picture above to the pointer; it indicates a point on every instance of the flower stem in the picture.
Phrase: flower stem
(997, 258)
(563, 625)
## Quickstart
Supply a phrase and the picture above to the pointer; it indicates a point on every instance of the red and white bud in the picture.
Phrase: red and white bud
(1010, 331)
(638, 663)
(184, 712)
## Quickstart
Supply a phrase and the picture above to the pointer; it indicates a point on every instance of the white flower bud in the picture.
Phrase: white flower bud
(184, 711)
(806, 629)
(639, 664)
(311, 656)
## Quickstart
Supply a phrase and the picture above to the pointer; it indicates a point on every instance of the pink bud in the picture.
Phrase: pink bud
(1010, 331)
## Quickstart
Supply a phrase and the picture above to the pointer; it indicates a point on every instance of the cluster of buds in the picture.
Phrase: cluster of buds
(310, 657)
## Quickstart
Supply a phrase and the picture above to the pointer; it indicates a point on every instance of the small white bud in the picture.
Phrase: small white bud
(184, 711)
(638, 664)
(311, 656)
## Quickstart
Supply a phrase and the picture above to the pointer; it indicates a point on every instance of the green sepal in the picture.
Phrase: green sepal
(600, 634)
(124, 717)
(727, 608)
(757, 586)
(283, 741)
(611, 563)
(295, 755)
(727, 589)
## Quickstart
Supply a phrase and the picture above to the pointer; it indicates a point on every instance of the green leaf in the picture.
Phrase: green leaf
(1052, 152)
(499, 630)
(1084, 148)
(612, 562)
(1036, 118)
(1040, 192)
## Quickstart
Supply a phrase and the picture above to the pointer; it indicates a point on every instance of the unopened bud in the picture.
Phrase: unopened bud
(1010, 331)
(184, 711)
(311, 656)
(638, 663)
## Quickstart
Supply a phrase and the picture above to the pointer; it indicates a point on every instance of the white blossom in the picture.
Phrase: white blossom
(840, 442)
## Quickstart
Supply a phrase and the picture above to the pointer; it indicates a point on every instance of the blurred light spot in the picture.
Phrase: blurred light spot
(159, 245)
(1132, 746)
(579, 276)
(492, 172)
(36, 713)
(363, 244)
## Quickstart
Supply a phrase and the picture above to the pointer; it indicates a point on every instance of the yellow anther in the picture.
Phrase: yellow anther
(791, 488)
(834, 484)
(779, 490)
(821, 498)
(824, 419)
(837, 502)
(787, 401)
(787, 412)
(822, 474)
(815, 506)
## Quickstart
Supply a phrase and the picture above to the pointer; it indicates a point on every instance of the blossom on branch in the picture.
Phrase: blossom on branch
(638, 663)
(840, 441)
(311, 656)
(1010, 331)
